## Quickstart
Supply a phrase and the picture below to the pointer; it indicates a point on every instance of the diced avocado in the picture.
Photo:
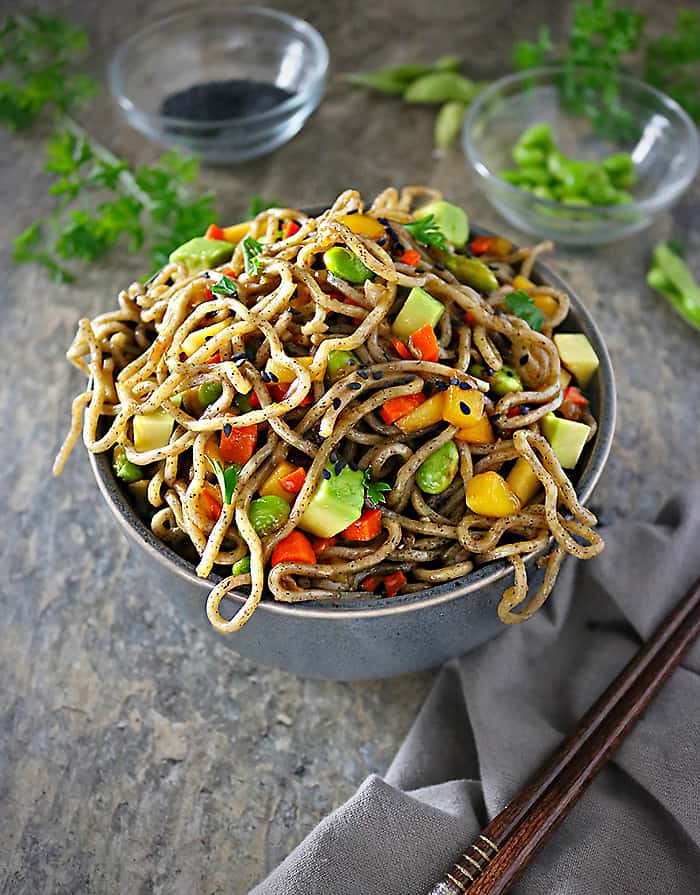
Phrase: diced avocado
(418, 309)
(341, 362)
(209, 392)
(506, 380)
(472, 272)
(152, 430)
(451, 219)
(201, 253)
(124, 469)
(337, 502)
(577, 355)
(566, 437)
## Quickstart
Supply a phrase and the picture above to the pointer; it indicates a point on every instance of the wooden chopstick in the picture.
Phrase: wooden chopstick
(492, 863)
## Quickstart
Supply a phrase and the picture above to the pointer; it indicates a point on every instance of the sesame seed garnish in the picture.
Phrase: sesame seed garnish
(228, 428)
(382, 241)
(340, 466)
(524, 359)
(326, 474)
(240, 355)
(355, 386)
(465, 408)
(352, 211)
(336, 403)
(419, 270)
(439, 266)
(333, 457)
(454, 381)
(465, 386)
(377, 374)
(353, 466)
(384, 221)
(363, 374)
(441, 386)
(273, 377)
(265, 376)
(241, 361)
(205, 275)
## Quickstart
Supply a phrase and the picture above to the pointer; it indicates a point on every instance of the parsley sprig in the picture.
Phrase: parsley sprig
(520, 304)
(251, 250)
(374, 491)
(225, 286)
(426, 232)
(226, 477)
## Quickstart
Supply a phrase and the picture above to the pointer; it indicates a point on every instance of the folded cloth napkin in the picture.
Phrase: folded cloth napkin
(494, 715)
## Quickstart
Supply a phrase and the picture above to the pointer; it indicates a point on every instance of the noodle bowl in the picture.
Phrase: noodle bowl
(290, 315)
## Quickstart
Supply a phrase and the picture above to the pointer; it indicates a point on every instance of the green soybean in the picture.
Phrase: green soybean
(441, 87)
(341, 362)
(267, 514)
(472, 272)
(537, 136)
(124, 469)
(436, 473)
(620, 169)
(346, 265)
(209, 392)
(241, 566)
(527, 156)
(506, 380)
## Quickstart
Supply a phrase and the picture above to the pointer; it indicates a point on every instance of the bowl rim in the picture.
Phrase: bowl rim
(288, 106)
(656, 202)
(470, 584)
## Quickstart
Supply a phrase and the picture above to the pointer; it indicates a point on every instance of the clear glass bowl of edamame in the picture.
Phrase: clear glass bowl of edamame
(661, 140)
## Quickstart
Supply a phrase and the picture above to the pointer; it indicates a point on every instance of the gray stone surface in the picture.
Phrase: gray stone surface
(141, 756)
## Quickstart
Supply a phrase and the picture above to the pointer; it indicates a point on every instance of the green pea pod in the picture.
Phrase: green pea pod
(441, 87)
(472, 272)
(448, 123)
(267, 514)
(437, 472)
(346, 265)
(389, 80)
(527, 156)
(671, 276)
(448, 63)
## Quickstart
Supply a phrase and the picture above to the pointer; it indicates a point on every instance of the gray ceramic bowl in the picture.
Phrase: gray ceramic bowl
(377, 637)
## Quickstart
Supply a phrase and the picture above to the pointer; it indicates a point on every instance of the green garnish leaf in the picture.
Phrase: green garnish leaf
(533, 54)
(520, 304)
(226, 478)
(251, 250)
(670, 62)
(258, 204)
(426, 232)
(374, 491)
(225, 286)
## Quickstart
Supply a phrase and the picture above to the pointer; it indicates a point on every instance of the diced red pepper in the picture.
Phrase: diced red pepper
(471, 320)
(574, 395)
(278, 390)
(371, 583)
(214, 232)
(425, 342)
(513, 411)
(296, 547)
(393, 583)
(212, 505)
(322, 544)
(490, 245)
(480, 245)
(239, 444)
(411, 257)
(367, 527)
(289, 229)
(215, 358)
(294, 481)
(401, 349)
(395, 408)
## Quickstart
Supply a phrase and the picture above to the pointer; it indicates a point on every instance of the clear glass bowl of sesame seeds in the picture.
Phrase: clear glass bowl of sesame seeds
(227, 84)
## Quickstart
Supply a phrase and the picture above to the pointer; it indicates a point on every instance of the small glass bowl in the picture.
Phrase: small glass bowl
(218, 43)
(665, 154)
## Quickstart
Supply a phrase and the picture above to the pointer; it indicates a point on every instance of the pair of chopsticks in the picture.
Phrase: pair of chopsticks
(497, 857)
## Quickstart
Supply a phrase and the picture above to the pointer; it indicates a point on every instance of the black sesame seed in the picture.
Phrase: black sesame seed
(241, 361)
(465, 408)
(465, 386)
(419, 270)
(439, 266)
(525, 408)
(273, 377)
(382, 241)
(355, 386)
(210, 315)
(363, 374)
(353, 466)
(377, 374)
(336, 403)
(352, 211)
(441, 386)
(264, 375)
(351, 362)
(340, 466)
(333, 457)
(205, 275)
(398, 246)
(228, 428)
(524, 359)
(239, 355)
(326, 474)
(454, 381)
(383, 221)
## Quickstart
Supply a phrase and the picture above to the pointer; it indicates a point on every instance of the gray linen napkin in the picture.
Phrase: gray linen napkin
(495, 714)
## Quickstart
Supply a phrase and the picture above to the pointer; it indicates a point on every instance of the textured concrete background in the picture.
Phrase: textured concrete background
(141, 756)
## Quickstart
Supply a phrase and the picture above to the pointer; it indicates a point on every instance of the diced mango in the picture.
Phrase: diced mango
(577, 354)
(488, 494)
(480, 433)
(363, 225)
(271, 485)
(463, 408)
(521, 282)
(196, 339)
(523, 481)
(564, 378)
(546, 303)
(286, 374)
(236, 232)
(427, 414)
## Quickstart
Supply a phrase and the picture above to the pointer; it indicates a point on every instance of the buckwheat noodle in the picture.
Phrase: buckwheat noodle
(134, 361)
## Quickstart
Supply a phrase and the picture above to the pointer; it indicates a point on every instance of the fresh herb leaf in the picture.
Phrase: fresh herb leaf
(671, 62)
(257, 204)
(226, 478)
(426, 232)
(533, 54)
(27, 249)
(226, 286)
(251, 250)
(374, 491)
(520, 304)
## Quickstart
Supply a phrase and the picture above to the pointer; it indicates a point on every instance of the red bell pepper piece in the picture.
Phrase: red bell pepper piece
(296, 547)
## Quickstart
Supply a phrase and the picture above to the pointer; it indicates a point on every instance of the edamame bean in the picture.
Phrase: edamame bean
(346, 265)
(267, 514)
(472, 272)
(436, 473)
(341, 362)
(241, 566)
(209, 392)
(125, 469)
(506, 380)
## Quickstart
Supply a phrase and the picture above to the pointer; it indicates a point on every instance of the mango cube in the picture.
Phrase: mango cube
(271, 485)
(463, 408)
(523, 481)
(488, 494)
(426, 414)
(480, 433)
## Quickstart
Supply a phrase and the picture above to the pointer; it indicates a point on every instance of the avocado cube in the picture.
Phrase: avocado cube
(566, 437)
(577, 355)
(336, 503)
(418, 309)
(202, 253)
(451, 219)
